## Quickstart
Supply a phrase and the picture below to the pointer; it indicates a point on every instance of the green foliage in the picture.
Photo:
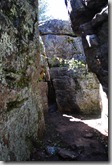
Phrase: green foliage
(71, 64)
(40, 79)
(53, 61)
(70, 40)
(76, 64)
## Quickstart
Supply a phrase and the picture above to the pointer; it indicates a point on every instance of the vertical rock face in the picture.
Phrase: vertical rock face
(89, 19)
(75, 89)
(21, 116)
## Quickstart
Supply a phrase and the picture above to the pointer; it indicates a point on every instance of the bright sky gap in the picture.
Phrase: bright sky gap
(57, 9)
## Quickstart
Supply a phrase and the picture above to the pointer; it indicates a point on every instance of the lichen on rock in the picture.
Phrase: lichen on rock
(21, 111)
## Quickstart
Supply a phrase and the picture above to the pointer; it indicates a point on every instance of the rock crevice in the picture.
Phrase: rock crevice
(75, 89)
(89, 20)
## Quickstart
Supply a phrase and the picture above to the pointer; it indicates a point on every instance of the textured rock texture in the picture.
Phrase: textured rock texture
(43, 86)
(21, 111)
(76, 92)
(44, 76)
(89, 19)
(74, 88)
(61, 27)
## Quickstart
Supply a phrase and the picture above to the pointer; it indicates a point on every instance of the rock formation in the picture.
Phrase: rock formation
(44, 77)
(75, 89)
(89, 19)
(21, 111)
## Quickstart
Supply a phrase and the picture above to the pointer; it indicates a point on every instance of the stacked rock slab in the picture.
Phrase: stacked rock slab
(21, 114)
(76, 89)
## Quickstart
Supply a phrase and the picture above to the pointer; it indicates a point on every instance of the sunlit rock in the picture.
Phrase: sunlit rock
(76, 90)
(55, 26)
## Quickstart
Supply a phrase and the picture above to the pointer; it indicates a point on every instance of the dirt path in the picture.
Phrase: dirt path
(67, 138)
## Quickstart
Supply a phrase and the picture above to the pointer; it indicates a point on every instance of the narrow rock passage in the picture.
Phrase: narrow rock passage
(69, 140)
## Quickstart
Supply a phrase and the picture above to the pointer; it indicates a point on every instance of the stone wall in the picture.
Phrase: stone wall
(21, 114)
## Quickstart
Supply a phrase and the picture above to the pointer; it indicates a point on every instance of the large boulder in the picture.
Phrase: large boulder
(75, 89)
(76, 92)
(21, 112)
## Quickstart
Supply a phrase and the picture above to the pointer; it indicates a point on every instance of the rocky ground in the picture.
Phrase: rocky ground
(68, 138)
